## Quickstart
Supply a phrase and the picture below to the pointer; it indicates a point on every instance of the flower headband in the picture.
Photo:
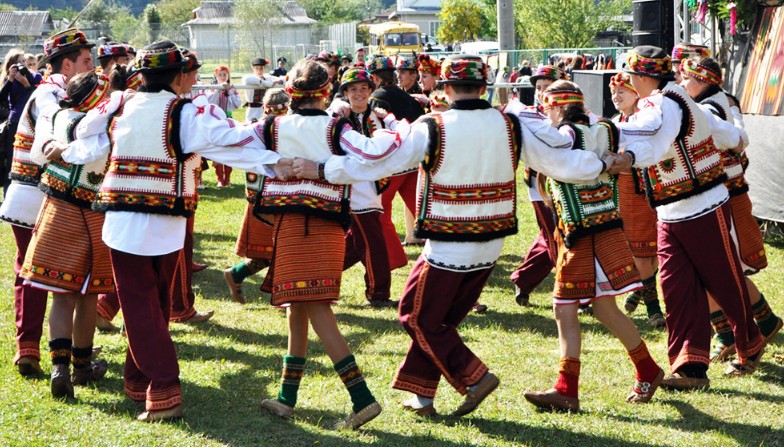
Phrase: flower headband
(437, 101)
(622, 80)
(276, 109)
(561, 98)
(699, 72)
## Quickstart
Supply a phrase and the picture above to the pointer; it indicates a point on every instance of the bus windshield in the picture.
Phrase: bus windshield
(398, 39)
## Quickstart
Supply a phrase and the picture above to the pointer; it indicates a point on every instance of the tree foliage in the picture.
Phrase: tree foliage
(567, 23)
(256, 22)
(460, 20)
(176, 12)
(342, 11)
(153, 20)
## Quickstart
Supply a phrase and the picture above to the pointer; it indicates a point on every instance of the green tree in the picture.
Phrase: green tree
(256, 21)
(460, 20)
(126, 27)
(343, 11)
(7, 7)
(100, 14)
(567, 23)
(176, 12)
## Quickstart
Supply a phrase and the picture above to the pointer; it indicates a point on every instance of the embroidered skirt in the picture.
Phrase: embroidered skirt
(307, 261)
(255, 238)
(747, 235)
(67, 253)
(597, 265)
(639, 219)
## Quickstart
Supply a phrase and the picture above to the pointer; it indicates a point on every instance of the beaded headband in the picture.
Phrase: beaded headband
(276, 110)
(438, 101)
(95, 96)
(622, 80)
(561, 98)
(112, 50)
(428, 65)
(655, 67)
(463, 72)
(699, 72)
(688, 51)
(134, 80)
(548, 72)
(321, 91)
(64, 42)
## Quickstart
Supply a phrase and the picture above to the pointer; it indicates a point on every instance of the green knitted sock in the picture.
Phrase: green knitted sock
(722, 328)
(352, 377)
(240, 271)
(650, 296)
(293, 369)
(764, 317)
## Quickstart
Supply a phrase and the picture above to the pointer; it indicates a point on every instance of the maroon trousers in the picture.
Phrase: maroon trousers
(29, 303)
(405, 185)
(182, 287)
(434, 302)
(540, 259)
(151, 368)
(696, 256)
(365, 243)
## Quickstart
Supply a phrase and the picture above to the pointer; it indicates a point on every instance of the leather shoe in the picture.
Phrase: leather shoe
(170, 414)
(199, 317)
(94, 372)
(29, 367)
(360, 418)
(196, 267)
(426, 411)
(234, 288)
(382, 304)
(552, 400)
(642, 393)
(475, 396)
(657, 320)
(103, 324)
(61, 385)
(677, 381)
(278, 408)
(521, 297)
(722, 352)
(479, 308)
(738, 369)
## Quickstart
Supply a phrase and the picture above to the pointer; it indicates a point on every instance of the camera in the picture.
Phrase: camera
(23, 69)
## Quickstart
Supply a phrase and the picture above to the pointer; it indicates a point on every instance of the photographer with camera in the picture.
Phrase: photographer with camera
(18, 83)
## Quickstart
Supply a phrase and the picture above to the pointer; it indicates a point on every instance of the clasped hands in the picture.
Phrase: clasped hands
(616, 163)
(295, 168)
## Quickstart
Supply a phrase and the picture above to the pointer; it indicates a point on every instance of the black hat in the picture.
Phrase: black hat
(65, 42)
(282, 59)
(647, 60)
(259, 61)
(159, 56)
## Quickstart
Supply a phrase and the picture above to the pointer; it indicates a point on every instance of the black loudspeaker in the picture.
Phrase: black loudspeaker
(653, 23)
(595, 85)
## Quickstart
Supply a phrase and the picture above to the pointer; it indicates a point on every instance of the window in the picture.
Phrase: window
(433, 27)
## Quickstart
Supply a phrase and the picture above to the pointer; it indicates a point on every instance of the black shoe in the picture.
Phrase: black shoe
(92, 373)
(61, 382)
(382, 304)
(585, 309)
(521, 297)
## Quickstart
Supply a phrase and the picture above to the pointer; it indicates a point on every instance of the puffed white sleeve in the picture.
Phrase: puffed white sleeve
(570, 166)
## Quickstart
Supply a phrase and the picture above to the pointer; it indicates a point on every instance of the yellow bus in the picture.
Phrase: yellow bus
(391, 38)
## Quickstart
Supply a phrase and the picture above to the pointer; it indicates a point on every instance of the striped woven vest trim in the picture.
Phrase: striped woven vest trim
(143, 176)
(314, 138)
(734, 164)
(588, 208)
(457, 202)
(73, 183)
(23, 168)
(692, 165)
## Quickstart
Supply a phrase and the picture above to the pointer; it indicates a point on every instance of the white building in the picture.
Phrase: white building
(421, 12)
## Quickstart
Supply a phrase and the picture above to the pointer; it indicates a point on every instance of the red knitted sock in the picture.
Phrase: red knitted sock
(568, 377)
(645, 366)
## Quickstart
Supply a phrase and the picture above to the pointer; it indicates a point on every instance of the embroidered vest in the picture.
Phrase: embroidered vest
(148, 172)
(692, 164)
(366, 124)
(23, 169)
(734, 164)
(587, 208)
(637, 173)
(468, 190)
(314, 138)
(74, 183)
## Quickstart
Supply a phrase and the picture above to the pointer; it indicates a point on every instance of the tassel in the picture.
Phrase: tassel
(733, 17)
(702, 12)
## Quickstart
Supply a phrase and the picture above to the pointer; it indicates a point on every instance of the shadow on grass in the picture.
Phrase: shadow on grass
(515, 432)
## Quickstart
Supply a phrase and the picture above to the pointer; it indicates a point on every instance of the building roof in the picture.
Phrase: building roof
(222, 13)
(25, 23)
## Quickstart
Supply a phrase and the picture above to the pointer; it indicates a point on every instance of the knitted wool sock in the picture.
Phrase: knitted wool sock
(80, 357)
(240, 271)
(568, 377)
(352, 377)
(60, 351)
(645, 366)
(722, 328)
(650, 296)
(293, 370)
(764, 317)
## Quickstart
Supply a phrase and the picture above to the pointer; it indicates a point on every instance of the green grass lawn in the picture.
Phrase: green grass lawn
(231, 363)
